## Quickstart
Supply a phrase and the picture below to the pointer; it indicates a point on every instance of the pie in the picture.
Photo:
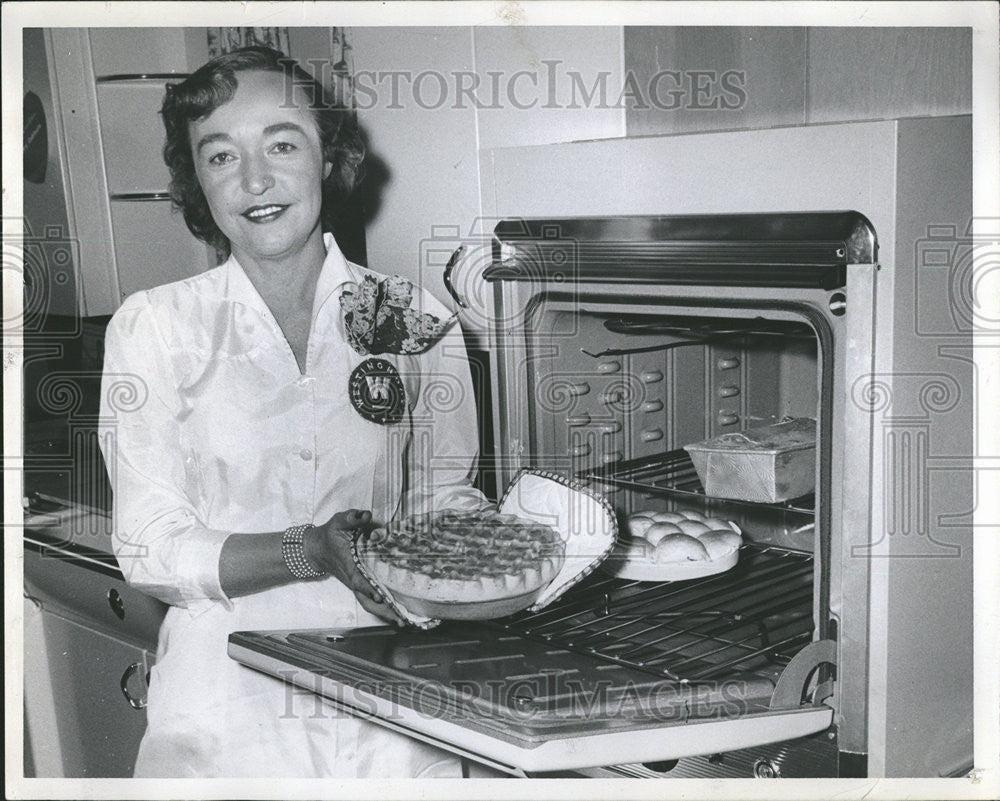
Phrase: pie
(463, 557)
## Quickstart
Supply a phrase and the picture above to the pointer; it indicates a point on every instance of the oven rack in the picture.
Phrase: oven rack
(749, 620)
(673, 473)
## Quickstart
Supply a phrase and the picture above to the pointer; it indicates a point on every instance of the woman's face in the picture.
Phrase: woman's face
(260, 164)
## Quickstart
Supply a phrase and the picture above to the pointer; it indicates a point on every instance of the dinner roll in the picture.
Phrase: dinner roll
(693, 528)
(638, 523)
(667, 517)
(638, 549)
(719, 543)
(679, 548)
(658, 531)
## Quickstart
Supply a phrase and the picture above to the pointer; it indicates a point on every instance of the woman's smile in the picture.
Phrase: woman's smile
(264, 214)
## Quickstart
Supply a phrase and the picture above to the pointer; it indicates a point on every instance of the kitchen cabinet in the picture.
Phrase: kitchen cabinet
(109, 139)
(97, 730)
(132, 51)
(716, 78)
(153, 245)
(132, 134)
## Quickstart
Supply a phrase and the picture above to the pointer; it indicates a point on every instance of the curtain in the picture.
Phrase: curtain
(223, 40)
(340, 77)
(342, 71)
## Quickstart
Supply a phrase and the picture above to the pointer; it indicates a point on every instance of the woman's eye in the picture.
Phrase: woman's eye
(283, 148)
(220, 158)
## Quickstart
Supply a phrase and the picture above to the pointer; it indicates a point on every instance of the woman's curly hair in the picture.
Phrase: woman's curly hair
(213, 84)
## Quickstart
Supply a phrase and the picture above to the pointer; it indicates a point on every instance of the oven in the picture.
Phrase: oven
(615, 342)
(635, 336)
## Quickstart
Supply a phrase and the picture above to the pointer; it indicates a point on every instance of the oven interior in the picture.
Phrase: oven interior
(614, 393)
(614, 397)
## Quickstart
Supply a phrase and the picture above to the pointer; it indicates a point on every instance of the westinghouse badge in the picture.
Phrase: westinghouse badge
(377, 392)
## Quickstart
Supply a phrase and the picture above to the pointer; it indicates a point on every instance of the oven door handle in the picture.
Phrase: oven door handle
(792, 682)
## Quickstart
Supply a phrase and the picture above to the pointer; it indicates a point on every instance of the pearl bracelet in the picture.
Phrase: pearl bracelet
(294, 553)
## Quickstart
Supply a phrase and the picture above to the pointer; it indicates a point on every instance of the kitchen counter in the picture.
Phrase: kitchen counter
(70, 568)
(86, 533)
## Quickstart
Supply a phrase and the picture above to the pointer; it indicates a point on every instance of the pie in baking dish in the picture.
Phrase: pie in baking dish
(459, 557)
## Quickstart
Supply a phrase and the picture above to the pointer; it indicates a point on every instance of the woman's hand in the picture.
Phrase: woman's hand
(328, 547)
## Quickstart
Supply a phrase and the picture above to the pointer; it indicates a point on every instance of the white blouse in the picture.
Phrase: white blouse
(208, 428)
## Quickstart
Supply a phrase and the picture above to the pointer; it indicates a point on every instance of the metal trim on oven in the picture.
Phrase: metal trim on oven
(73, 553)
(805, 250)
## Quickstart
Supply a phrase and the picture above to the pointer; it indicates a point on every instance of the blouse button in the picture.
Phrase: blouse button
(306, 454)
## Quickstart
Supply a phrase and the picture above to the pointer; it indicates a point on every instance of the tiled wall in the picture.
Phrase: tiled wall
(794, 76)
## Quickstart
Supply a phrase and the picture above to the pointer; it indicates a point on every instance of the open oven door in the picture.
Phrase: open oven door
(517, 704)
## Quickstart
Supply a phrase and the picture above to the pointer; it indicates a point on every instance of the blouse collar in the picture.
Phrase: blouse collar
(335, 274)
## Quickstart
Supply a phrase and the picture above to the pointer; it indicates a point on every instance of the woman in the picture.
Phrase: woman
(261, 424)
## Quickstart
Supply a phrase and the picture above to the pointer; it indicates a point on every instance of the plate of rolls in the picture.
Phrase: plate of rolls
(674, 546)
